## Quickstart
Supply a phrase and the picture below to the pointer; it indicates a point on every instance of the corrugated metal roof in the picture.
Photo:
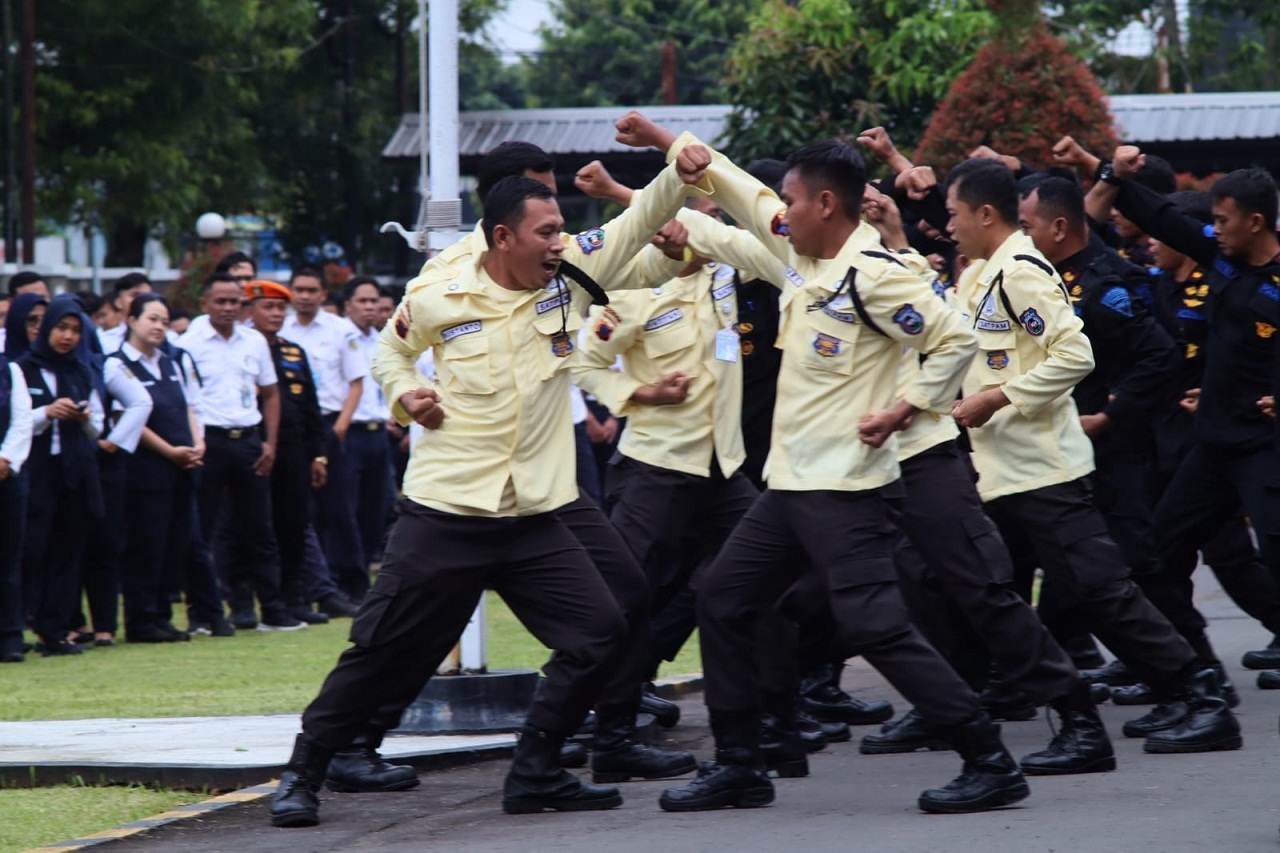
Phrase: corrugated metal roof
(1197, 117)
(576, 130)
(589, 130)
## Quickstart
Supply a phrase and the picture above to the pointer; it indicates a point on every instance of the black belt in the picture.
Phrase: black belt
(371, 426)
(233, 433)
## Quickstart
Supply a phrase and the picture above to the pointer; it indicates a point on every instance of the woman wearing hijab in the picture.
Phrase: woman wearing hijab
(15, 446)
(22, 324)
(67, 418)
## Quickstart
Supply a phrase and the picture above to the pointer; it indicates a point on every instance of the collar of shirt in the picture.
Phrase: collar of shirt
(152, 362)
(1016, 243)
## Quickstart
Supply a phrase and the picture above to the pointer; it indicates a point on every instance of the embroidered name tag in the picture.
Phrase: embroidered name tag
(664, 320)
(794, 277)
(994, 325)
(460, 330)
(842, 316)
(554, 302)
(722, 292)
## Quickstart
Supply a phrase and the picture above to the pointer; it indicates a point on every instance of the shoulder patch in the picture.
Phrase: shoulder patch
(777, 226)
(884, 256)
(1271, 291)
(591, 241)
(1117, 299)
(404, 320)
(908, 319)
(1032, 322)
(1043, 265)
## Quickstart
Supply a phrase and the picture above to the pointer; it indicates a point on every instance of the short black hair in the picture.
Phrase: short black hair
(230, 260)
(1057, 197)
(1156, 175)
(1253, 191)
(358, 281)
(768, 171)
(832, 165)
(982, 180)
(214, 277)
(174, 313)
(129, 281)
(507, 159)
(139, 305)
(505, 203)
(90, 302)
(22, 279)
(306, 271)
(338, 300)
(1193, 203)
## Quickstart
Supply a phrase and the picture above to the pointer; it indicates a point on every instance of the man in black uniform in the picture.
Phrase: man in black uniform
(300, 462)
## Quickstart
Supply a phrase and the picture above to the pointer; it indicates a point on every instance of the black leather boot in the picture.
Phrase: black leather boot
(990, 778)
(810, 727)
(1209, 725)
(1080, 746)
(295, 802)
(737, 778)
(908, 733)
(1114, 674)
(1165, 715)
(537, 782)
(360, 769)
(1134, 694)
(1268, 679)
(1002, 701)
(243, 616)
(574, 754)
(298, 606)
(782, 748)
(822, 697)
(1100, 692)
(664, 711)
(616, 757)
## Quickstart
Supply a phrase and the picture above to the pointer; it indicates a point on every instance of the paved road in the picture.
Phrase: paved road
(1152, 804)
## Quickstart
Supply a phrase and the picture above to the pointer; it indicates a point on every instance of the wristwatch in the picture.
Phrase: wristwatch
(1107, 174)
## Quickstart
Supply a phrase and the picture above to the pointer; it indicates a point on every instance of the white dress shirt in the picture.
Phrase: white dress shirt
(16, 445)
(40, 419)
(333, 352)
(373, 405)
(131, 400)
(111, 339)
(231, 372)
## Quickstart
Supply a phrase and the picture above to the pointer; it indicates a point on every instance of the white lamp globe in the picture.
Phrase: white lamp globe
(211, 226)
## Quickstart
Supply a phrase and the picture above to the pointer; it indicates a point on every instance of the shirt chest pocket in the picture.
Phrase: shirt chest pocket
(465, 365)
(555, 339)
(997, 359)
(669, 341)
(828, 342)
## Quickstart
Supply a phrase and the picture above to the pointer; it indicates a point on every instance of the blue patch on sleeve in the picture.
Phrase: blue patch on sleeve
(1117, 299)
(1225, 267)
(1270, 291)
(1189, 314)
(909, 320)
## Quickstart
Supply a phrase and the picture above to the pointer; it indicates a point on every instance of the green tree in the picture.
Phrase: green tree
(826, 68)
(609, 52)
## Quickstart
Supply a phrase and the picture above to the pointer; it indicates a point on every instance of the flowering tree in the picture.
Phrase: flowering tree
(1022, 93)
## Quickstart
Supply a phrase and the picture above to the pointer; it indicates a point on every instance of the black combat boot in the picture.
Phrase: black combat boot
(822, 697)
(810, 727)
(360, 769)
(298, 606)
(737, 777)
(616, 757)
(1100, 692)
(908, 733)
(1114, 674)
(990, 778)
(1167, 713)
(664, 711)
(574, 754)
(1209, 725)
(295, 802)
(1003, 701)
(243, 616)
(1080, 746)
(783, 750)
(1268, 658)
(537, 782)
(1134, 694)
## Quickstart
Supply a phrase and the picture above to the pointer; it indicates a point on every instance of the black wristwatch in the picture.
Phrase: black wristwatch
(1107, 174)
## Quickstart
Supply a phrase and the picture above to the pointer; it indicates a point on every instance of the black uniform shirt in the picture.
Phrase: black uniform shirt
(300, 418)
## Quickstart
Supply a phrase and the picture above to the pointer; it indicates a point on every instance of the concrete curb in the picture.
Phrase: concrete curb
(670, 688)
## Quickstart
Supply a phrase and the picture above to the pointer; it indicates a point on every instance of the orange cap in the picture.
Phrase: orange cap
(262, 289)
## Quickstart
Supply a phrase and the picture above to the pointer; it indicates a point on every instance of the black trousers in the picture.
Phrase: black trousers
(290, 510)
(53, 548)
(158, 535)
(1089, 574)
(104, 544)
(229, 486)
(13, 524)
(849, 540)
(189, 561)
(957, 578)
(436, 568)
(338, 527)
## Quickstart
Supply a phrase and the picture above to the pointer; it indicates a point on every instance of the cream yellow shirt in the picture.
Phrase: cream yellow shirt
(506, 446)
(835, 367)
(674, 328)
(933, 427)
(1031, 344)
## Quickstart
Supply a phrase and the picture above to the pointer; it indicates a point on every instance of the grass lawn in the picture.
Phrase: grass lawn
(251, 673)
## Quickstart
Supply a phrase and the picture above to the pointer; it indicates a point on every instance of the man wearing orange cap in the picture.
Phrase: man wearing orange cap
(300, 462)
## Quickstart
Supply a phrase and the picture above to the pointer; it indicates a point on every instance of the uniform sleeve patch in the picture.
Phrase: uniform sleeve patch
(909, 320)
(1270, 291)
(1117, 299)
(777, 226)
(590, 241)
(404, 320)
(1032, 322)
